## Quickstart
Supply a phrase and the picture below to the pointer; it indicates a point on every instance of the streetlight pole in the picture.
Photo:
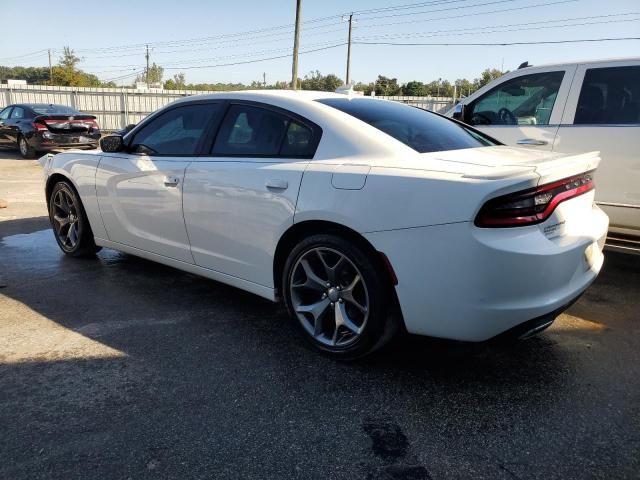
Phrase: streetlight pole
(296, 42)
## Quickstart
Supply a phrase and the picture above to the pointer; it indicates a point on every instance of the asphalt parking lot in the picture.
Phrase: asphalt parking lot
(120, 368)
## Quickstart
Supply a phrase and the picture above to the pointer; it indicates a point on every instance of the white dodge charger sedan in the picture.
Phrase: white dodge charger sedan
(363, 215)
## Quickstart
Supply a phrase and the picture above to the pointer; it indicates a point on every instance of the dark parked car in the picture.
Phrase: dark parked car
(40, 127)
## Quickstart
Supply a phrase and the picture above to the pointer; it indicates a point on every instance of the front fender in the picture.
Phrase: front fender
(79, 168)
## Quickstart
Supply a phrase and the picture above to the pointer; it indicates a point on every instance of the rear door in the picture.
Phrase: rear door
(525, 108)
(603, 113)
(140, 191)
(241, 198)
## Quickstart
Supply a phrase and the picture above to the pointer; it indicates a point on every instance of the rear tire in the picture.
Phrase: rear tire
(25, 149)
(335, 292)
(69, 222)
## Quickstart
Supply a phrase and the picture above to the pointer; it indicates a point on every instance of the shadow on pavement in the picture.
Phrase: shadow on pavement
(149, 370)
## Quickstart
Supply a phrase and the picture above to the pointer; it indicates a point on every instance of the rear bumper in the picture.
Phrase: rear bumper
(45, 141)
(461, 282)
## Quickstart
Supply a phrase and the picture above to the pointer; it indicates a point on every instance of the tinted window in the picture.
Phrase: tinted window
(609, 96)
(44, 109)
(421, 130)
(17, 112)
(176, 132)
(4, 114)
(253, 131)
(525, 100)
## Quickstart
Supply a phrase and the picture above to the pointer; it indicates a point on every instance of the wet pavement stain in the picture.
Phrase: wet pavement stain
(391, 445)
(388, 441)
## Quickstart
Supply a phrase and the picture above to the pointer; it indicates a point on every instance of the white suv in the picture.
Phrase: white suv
(572, 108)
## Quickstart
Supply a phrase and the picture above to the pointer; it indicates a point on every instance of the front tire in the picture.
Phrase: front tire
(25, 149)
(337, 294)
(69, 221)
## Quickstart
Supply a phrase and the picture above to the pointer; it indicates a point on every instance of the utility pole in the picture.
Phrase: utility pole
(296, 41)
(146, 55)
(264, 79)
(50, 69)
(349, 51)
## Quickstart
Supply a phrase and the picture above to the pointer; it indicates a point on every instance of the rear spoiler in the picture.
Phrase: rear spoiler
(58, 116)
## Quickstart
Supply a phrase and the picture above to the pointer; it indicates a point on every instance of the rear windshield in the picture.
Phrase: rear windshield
(54, 110)
(419, 129)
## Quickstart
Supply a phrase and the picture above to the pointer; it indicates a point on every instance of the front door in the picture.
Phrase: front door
(5, 128)
(524, 110)
(140, 191)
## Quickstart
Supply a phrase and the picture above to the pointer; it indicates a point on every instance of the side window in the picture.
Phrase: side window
(176, 132)
(298, 142)
(253, 131)
(17, 113)
(4, 114)
(609, 96)
(525, 100)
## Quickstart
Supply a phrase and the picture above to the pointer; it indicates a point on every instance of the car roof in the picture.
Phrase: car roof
(584, 62)
(302, 96)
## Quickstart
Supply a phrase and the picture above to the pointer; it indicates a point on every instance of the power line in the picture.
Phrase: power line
(497, 44)
(286, 26)
(38, 52)
(230, 64)
(508, 27)
(257, 60)
(481, 4)
(472, 14)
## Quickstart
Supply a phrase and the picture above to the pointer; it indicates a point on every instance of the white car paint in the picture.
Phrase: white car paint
(618, 183)
(455, 280)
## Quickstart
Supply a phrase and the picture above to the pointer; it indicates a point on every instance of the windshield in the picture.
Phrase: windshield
(419, 129)
(54, 110)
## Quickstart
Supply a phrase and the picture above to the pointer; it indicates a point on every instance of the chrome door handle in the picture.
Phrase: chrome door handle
(171, 181)
(532, 141)
(277, 184)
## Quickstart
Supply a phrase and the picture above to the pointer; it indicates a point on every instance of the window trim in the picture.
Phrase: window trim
(469, 106)
(316, 132)
(213, 122)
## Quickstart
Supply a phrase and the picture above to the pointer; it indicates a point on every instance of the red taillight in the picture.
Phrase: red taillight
(39, 126)
(532, 206)
(92, 124)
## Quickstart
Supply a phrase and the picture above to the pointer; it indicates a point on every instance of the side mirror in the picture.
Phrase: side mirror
(112, 143)
(459, 112)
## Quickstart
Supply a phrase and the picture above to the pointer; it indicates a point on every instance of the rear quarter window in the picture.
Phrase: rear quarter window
(419, 129)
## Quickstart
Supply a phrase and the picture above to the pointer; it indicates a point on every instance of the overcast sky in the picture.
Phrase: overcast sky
(93, 30)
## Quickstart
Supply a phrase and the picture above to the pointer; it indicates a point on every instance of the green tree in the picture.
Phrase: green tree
(487, 76)
(316, 81)
(180, 80)
(367, 88)
(387, 86)
(33, 75)
(67, 73)
(415, 88)
(156, 72)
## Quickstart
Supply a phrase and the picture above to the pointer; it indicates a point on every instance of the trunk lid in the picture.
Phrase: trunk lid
(60, 124)
(499, 162)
